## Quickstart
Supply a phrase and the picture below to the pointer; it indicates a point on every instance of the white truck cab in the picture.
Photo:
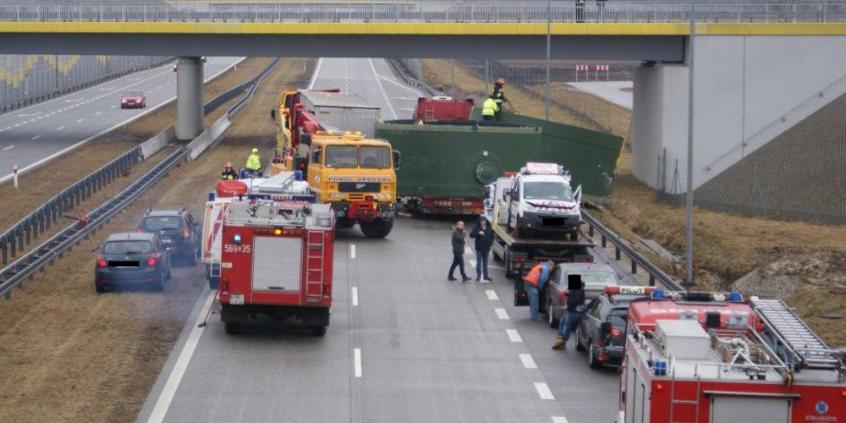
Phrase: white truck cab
(540, 200)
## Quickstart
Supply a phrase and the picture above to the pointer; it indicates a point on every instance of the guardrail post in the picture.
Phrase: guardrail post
(634, 267)
(616, 252)
(604, 241)
(20, 242)
(590, 230)
(651, 279)
(4, 246)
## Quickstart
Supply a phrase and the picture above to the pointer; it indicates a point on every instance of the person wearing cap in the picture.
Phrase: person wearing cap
(484, 236)
(533, 283)
(499, 97)
(254, 162)
(574, 313)
(228, 173)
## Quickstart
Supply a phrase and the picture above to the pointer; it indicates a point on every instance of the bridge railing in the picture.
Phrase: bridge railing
(830, 11)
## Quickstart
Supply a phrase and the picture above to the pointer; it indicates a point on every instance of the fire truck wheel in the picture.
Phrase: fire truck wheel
(378, 228)
(232, 328)
(317, 330)
(592, 361)
(579, 346)
(550, 314)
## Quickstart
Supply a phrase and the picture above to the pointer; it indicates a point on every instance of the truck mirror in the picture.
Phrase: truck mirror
(505, 194)
(486, 194)
(397, 159)
(273, 115)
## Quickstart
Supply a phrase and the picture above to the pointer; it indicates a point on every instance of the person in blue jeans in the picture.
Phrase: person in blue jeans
(574, 313)
(484, 236)
(535, 281)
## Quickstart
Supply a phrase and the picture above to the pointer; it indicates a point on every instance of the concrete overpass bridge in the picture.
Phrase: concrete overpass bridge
(747, 56)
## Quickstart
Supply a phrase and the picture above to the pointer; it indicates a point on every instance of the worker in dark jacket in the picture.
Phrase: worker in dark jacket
(574, 313)
(228, 173)
(483, 234)
(458, 252)
(499, 97)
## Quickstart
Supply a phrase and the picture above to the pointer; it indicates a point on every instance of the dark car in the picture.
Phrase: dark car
(177, 229)
(133, 100)
(596, 277)
(131, 258)
(602, 331)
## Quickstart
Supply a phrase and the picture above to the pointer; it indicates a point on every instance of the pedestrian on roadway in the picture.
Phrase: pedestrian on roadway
(489, 109)
(483, 234)
(533, 283)
(574, 313)
(458, 252)
(228, 173)
(254, 164)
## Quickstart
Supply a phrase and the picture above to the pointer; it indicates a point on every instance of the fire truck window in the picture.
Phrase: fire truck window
(375, 157)
(341, 156)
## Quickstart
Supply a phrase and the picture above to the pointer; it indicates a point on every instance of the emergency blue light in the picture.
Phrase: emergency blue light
(236, 238)
(211, 196)
(735, 297)
(658, 294)
(298, 175)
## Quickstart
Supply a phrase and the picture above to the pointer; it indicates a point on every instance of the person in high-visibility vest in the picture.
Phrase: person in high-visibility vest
(535, 281)
(254, 162)
(489, 109)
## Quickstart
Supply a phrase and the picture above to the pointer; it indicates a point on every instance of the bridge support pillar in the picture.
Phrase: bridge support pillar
(189, 98)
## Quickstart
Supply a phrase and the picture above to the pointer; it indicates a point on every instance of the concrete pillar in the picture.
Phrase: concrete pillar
(189, 98)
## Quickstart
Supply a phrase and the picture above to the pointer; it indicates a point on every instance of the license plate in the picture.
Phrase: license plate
(236, 299)
(167, 241)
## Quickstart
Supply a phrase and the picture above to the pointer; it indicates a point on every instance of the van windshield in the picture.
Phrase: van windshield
(547, 191)
(341, 156)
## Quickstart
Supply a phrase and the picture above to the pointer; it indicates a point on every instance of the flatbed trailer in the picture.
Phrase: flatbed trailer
(520, 254)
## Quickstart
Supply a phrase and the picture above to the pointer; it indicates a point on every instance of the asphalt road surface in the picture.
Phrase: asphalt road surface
(404, 344)
(34, 133)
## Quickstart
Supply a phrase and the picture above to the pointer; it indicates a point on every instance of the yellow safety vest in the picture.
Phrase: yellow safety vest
(489, 107)
(254, 162)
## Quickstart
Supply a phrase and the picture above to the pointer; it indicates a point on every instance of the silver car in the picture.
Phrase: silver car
(595, 276)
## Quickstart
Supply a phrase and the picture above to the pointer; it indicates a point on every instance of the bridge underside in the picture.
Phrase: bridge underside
(668, 49)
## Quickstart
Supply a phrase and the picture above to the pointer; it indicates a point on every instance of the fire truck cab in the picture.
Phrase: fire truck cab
(715, 358)
(277, 261)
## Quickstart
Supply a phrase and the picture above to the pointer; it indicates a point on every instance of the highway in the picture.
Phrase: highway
(404, 344)
(32, 134)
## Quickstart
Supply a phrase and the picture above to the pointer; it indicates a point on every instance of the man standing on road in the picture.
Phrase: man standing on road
(533, 283)
(458, 252)
(575, 311)
(254, 163)
(483, 234)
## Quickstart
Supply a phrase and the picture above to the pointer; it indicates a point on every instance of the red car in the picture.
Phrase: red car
(133, 100)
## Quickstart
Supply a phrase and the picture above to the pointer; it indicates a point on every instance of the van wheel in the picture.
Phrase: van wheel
(317, 330)
(232, 328)
(378, 228)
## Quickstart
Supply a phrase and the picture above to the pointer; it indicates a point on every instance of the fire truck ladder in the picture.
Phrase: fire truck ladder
(315, 257)
(792, 339)
(685, 402)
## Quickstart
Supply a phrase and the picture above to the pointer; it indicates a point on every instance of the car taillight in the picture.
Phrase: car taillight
(616, 332)
(186, 233)
(152, 260)
(101, 261)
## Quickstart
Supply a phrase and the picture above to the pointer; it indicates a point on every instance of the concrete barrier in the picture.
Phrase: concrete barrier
(208, 137)
(155, 144)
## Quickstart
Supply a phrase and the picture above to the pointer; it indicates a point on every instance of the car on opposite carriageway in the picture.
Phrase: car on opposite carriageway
(131, 258)
(178, 230)
(133, 100)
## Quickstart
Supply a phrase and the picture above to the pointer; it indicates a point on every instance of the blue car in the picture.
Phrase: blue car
(131, 259)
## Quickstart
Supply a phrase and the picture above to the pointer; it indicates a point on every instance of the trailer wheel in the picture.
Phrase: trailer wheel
(378, 228)
(317, 330)
(232, 328)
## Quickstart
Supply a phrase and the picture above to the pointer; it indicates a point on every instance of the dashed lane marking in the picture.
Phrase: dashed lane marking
(98, 113)
(355, 296)
(80, 119)
(501, 313)
(60, 128)
(35, 137)
(491, 295)
(528, 361)
(315, 73)
(543, 391)
(382, 89)
(513, 335)
(357, 362)
(559, 419)
(9, 147)
(352, 250)
(467, 250)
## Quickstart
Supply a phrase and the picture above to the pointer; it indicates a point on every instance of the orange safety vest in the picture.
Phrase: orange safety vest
(534, 275)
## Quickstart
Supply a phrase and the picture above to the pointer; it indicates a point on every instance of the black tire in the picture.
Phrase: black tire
(232, 328)
(99, 288)
(214, 283)
(317, 330)
(574, 236)
(159, 285)
(378, 228)
(550, 314)
(579, 346)
(593, 363)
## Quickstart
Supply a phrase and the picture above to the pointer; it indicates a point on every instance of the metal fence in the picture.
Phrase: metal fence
(797, 11)
(28, 79)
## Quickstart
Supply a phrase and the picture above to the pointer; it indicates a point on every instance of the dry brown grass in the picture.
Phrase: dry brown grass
(726, 246)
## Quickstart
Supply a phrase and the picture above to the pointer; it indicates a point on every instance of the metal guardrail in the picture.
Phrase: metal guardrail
(534, 11)
(403, 73)
(48, 251)
(637, 259)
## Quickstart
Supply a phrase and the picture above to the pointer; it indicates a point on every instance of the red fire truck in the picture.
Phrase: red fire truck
(715, 358)
(276, 261)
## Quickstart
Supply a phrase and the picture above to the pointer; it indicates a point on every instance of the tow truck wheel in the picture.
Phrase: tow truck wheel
(550, 314)
(232, 328)
(592, 361)
(318, 330)
(378, 228)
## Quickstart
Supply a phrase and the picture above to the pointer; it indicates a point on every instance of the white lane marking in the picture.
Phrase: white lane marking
(98, 113)
(473, 263)
(80, 119)
(7, 128)
(494, 266)
(405, 98)
(35, 137)
(513, 335)
(501, 313)
(60, 128)
(528, 361)
(182, 361)
(382, 89)
(399, 85)
(355, 296)
(9, 147)
(491, 295)
(467, 250)
(16, 125)
(357, 360)
(114, 107)
(559, 419)
(543, 391)
(314, 74)
(352, 250)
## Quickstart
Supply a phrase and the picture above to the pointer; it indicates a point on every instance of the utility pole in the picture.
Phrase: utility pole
(688, 274)
(548, 43)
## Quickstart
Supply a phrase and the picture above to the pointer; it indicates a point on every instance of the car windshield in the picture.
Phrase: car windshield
(598, 280)
(375, 157)
(618, 318)
(547, 191)
(341, 156)
(157, 223)
(127, 247)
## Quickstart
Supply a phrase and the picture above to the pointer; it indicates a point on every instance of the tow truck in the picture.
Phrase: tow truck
(276, 260)
(717, 358)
